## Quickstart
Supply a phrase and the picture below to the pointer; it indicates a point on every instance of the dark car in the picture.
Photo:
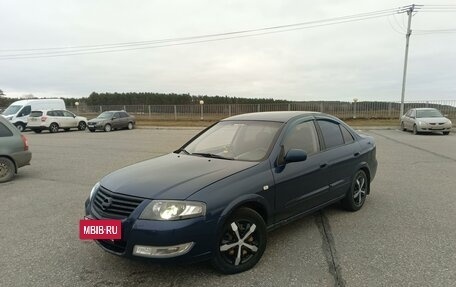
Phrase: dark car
(14, 151)
(111, 120)
(218, 195)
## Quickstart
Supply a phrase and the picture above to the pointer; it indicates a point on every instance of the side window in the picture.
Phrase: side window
(116, 115)
(58, 113)
(302, 136)
(348, 138)
(67, 114)
(408, 113)
(124, 115)
(331, 133)
(4, 131)
(25, 111)
(51, 113)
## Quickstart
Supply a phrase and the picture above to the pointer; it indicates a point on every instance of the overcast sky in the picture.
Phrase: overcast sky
(361, 60)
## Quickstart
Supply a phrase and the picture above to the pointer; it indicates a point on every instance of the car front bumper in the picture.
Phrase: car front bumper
(433, 128)
(197, 232)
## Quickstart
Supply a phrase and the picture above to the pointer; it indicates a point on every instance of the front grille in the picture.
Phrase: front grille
(113, 205)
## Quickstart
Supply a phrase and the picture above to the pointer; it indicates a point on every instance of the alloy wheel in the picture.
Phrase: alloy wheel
(82, 126)
(54, 128)
(360, 189)
(240, 242)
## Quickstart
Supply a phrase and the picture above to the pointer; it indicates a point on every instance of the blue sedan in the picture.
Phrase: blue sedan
(216, 197)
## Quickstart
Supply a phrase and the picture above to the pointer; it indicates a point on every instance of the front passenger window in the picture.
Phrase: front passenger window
(302, 136)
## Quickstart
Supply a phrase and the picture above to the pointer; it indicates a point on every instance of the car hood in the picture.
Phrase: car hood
(433, 120)
(97, 120)
(172, 176)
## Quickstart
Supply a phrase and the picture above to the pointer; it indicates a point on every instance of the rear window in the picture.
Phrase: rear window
(36, 114)
(4, 131)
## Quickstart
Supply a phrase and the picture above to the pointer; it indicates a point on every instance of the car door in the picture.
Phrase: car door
(59, 118)
(341, 153)
(411, 119)
(125, 119)
(116, 121)
(299, 185)
(70, 119)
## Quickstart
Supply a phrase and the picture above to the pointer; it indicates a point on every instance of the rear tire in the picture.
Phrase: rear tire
(240, 242)
(130, 126)
(107, 128)
(20, 126)
(356, 195)
(53, 128)
(7, 169)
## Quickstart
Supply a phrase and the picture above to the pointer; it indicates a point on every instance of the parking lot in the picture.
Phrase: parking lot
(404, 235)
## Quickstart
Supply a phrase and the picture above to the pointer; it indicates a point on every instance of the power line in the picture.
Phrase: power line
(127, 46)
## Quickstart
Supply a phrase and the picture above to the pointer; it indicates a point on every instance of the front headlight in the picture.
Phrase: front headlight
(94, 189)
(173, 210)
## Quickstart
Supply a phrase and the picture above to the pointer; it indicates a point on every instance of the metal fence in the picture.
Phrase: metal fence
(343, 110)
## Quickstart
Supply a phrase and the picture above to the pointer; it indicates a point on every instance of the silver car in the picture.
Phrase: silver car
(14, 150)
(425, 120)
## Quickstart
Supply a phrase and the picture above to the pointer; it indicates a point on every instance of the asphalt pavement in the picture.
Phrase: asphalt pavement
(404, 235)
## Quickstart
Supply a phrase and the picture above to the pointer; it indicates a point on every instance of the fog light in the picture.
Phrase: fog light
(162, 251)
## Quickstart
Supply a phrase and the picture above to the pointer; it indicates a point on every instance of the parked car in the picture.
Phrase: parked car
(112, 120)
(425, 120)
(218, 195)
(18, 112)
(55, 120)
(14, 150)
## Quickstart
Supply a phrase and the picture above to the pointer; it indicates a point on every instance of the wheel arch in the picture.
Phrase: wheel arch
(252, 201)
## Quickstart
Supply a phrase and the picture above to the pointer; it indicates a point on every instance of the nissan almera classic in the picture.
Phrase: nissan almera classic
(216, 197)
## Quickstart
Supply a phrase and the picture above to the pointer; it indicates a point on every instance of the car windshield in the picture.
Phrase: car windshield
(105, 115)
(11, 110)
(235, 140)
(428, 114)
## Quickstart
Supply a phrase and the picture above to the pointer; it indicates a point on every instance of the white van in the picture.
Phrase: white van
(17, 113)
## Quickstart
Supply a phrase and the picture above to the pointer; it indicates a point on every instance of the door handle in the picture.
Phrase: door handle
(356, 154)
(323, 165)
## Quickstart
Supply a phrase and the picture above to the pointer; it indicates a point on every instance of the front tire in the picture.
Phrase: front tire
(53, 128)
(82, 126)
(107, 128)
(446, 133)
(130, 126)
(240, 242)
(92, 130)
(7, 169)
(359, 189)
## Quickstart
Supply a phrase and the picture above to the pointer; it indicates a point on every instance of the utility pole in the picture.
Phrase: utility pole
(407, 40)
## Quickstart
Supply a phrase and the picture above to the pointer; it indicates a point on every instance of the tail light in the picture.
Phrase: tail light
(43, 119)
(24, 140)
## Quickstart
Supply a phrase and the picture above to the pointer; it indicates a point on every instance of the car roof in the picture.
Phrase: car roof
(283, 116)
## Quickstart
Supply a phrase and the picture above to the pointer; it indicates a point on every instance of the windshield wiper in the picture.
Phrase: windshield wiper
(181, 150)
(211, 155)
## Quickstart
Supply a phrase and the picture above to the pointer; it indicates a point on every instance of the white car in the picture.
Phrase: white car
(55, 120)
(425, 120)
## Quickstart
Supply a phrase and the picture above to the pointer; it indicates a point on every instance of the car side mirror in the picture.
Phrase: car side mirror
(113, 118)
(295, 155)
